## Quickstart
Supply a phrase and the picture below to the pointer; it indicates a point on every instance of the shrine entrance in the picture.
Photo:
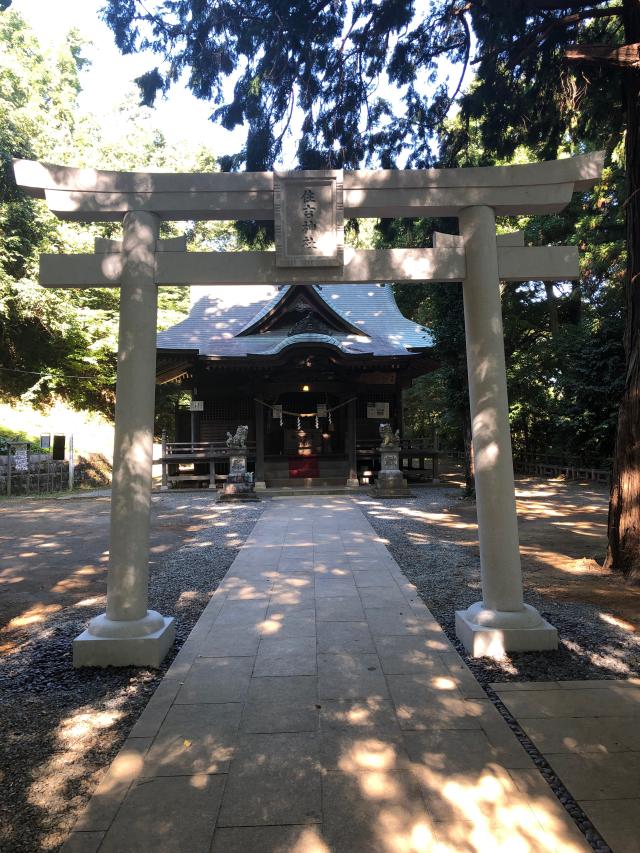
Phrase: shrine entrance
(308, 209)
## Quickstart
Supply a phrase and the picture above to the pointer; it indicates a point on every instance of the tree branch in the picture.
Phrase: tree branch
(528, 41)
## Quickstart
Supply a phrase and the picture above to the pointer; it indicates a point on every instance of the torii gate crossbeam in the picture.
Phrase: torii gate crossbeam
(128, 633)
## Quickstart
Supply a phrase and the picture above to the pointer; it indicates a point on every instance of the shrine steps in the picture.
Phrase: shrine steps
(297, 483)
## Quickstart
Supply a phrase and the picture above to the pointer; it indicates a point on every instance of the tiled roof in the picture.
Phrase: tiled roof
(212, 326)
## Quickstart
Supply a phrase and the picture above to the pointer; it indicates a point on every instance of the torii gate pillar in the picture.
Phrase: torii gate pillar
(501, 621)
(129, 634)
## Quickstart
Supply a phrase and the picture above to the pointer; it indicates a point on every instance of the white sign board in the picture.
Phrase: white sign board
(196, 406)
(276, 411)
(321, 409)
(21, 459)
(378, 410)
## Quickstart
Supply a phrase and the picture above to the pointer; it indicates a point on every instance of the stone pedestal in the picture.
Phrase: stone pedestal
(240, 485)
(390, 482)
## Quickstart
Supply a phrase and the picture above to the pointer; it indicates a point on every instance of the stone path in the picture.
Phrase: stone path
(589, 732)
(317, 707)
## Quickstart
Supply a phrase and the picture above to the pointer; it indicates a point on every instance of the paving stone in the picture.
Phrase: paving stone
(269, 839)
(456, 751)
(352, 637)
(395, 622)
(171, 814)
(382, 596)
(194, 739)
(293, 656)
(227, 641)
(241, 613)
(285, 623)
(339, 609)
(216, 680)
(563, 833)
(421, 704)
(377, 579)
(336, 587)
(281, 704)
(612, 701)
(486, 796)
(351, 676)
(360, 715)
(464, 678)
(352, 751)
(124, 770)
(618, 821)
(405, 655)
(598, 776)
(584, 734)
(274, 779)
(82, 842)
(376, 812)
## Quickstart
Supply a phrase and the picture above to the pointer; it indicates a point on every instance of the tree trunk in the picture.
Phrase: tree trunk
(552, 305)
(623, 554)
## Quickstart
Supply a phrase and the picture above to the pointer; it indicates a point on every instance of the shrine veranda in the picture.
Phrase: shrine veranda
(308, 210)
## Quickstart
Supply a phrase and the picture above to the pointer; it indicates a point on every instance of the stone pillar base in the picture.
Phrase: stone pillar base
(135, 646)
(260, 485)
(231, 497)
(492, 633)
(353, 484)
(391, 484)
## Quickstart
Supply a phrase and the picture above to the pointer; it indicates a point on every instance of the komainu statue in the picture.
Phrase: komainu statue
(388, 436)
(239, 440)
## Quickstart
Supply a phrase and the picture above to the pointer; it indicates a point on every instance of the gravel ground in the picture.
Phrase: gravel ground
(59, 727)
(447, 576)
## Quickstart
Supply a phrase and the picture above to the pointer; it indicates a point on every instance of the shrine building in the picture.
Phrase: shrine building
(311, 370)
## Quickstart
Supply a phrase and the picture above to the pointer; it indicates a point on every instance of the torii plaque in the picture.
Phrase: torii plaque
(130, 634)
(309, 218)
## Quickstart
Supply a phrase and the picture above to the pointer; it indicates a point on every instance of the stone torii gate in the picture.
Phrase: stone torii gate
(308, 209)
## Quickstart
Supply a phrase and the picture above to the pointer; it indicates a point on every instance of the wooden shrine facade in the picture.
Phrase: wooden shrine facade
(312, 372)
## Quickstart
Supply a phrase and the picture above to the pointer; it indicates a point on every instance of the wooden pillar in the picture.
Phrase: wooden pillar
(165, 482)
(399, 412)
(259, 420)
(351, 444)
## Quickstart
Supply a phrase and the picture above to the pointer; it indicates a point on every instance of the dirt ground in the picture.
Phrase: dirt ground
(563, 542)
(53, 553)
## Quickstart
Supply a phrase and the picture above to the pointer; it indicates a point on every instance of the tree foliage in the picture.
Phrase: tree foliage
(63, 342)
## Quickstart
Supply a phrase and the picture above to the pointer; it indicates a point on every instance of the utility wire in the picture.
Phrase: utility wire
(56, 375)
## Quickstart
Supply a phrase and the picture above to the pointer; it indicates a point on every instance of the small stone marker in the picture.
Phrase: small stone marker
(309, 218)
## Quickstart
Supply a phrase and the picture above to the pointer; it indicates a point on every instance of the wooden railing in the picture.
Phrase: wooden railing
(180, 453)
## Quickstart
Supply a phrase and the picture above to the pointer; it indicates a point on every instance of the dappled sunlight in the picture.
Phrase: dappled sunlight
(484, 810)
(369, 754)
(37, 613)
(271, 626)
(618, 623)
(613, 660)
(73, 729)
